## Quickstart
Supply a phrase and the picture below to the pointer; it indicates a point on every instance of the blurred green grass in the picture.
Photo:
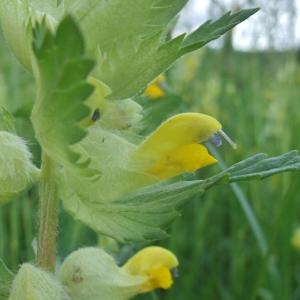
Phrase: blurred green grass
(256, 98)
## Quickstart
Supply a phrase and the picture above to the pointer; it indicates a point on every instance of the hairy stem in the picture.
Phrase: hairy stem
(48, 218)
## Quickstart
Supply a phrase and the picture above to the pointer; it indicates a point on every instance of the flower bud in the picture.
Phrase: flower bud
(16, 169)
(157, 88)
(122, 114)
(32, 283)
(92, 274)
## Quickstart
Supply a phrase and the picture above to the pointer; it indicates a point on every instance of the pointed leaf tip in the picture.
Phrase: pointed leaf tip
(211, 30)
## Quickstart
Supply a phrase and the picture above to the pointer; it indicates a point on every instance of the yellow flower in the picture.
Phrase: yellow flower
(90, 273)
(157, 264)
(156, 89)
(174, 147)
(187, 158)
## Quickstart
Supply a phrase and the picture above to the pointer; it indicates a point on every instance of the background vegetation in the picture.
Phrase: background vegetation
(234, 243)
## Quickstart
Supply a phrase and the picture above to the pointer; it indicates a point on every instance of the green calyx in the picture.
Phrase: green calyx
(17, 172)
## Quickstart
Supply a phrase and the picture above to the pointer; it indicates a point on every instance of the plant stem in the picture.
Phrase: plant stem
(48, 216)
(246, 207)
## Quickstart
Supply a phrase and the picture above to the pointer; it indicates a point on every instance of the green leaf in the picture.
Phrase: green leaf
(129, 35)
(213, 30)
(6, 278)
(260, 166)
(61, 71)
(90, 201)
(109, 23)
(128, 67)
(140, 216)
(144, 214)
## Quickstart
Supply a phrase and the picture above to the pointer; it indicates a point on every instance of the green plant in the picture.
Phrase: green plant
(87, 59)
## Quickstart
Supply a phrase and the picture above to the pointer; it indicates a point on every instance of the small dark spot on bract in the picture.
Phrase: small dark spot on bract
(77, 276)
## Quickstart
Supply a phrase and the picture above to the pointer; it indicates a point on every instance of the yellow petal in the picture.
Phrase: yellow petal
(156, 264)
(171, 149)
(187, 158)
(155, 89)
(179, 130)
(158, 278)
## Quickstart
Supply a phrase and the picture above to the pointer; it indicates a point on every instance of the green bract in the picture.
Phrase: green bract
(32, 283)
(92, 274)
(139, 62)
(61, 69)
(93, 201)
